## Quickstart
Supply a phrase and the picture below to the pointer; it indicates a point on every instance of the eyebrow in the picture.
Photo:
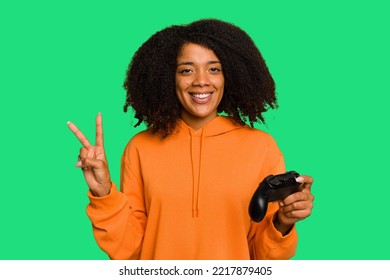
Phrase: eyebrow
(191, 63)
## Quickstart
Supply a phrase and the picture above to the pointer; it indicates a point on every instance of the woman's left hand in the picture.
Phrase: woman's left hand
(296, 206)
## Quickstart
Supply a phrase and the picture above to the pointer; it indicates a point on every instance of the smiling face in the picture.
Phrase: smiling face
(199, 84)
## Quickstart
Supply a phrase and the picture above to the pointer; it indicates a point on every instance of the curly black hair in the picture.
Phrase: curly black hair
(150, 79)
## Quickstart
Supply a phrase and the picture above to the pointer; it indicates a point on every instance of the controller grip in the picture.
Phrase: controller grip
(272, 188)
(258, 206)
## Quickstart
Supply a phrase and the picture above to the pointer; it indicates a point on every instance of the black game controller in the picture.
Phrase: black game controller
(272, 188)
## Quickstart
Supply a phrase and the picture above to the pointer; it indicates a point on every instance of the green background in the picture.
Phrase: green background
(66, 60)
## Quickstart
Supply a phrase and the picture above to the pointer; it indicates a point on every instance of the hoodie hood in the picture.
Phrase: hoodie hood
(197, 142)
(219, 125)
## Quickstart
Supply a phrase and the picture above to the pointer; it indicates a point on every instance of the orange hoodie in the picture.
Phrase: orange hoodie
(187, 197)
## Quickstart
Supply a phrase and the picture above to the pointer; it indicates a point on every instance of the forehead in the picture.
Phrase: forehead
(195, 52)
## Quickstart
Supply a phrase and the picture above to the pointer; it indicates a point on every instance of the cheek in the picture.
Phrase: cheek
(222, 82)
(181, 84)
(219, 82)
(179, 93)
(221, 88)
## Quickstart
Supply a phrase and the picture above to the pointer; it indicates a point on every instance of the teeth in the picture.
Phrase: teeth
(202, 95)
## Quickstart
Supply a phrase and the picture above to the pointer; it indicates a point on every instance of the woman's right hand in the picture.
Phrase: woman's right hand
(92, 160)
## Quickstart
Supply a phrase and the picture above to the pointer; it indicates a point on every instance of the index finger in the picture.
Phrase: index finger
(99, 130)
(306, 181)
(84, 141)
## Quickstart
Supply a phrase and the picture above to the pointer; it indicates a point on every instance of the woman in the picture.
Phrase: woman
(187, 180)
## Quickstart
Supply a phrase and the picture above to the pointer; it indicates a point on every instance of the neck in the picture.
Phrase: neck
(196, 122)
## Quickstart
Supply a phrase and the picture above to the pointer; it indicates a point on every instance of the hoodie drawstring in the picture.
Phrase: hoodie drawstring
(196, 183)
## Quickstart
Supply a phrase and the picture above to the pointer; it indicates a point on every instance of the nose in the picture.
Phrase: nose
(201, 79)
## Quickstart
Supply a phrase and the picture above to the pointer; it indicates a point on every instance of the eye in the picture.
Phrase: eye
(215, 69)
(184, 71)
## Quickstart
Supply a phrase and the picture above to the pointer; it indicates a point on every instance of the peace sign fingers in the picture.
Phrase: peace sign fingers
(92, 160)
(99, 130)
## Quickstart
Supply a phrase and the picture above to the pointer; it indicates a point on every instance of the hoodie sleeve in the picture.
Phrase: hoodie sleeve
(119, 218)
(268, 243)
(265, 241)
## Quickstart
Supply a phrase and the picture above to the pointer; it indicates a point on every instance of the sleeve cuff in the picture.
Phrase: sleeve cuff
(99, 203)
(272, 234)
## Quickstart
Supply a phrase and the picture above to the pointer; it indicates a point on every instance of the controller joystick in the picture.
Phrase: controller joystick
(272, 188)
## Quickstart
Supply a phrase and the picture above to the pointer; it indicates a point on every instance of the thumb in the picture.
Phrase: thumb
(87, 163)
(96, 170)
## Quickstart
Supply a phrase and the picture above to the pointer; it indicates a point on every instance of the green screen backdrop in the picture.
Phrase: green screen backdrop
(66, 60)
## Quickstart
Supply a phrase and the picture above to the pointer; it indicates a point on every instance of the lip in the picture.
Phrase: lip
(201, 100)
